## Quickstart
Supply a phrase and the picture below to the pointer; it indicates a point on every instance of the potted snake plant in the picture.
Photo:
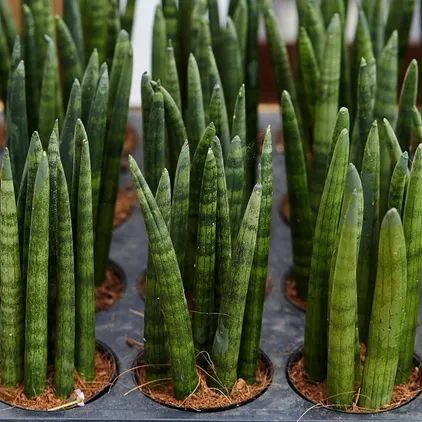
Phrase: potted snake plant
(224, 265)
(361, 341)
(47, 281)
(202, 222)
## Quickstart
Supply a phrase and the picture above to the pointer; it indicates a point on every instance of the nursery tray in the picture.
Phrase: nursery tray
(282, 334)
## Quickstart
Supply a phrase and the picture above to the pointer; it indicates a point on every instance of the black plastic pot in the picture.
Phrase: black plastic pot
(282, 333)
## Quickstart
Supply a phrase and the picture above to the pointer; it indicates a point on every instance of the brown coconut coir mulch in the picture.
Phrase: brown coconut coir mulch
(130, 143)
(109, 291)
(317, 392)
(204, 397)
(285, 209)
(125, 203)
(105, 372)
(292, 295)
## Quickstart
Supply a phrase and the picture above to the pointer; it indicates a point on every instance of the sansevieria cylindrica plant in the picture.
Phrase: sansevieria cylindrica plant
(336, 320)
(47, 271)
(226, 265)
(334, 89)
(199, 121)
(51, 78)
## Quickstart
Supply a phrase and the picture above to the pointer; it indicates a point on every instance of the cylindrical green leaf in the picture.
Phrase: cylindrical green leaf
(387, 79)
(155, 351)
(70, 66)
(412, 225)
(84, 271)
(89, 85)
(342, 309)
(96, 131)
(297, 184)
(235, 175)
(366, 269)
(172, 299)
(226, 345)
(407, 102)
(386, 318)
(365, 111)
(251, 333)
(116, 127)
(197, 169)
(180, 206)
(12, 308)
(48, 107)
(223, 236)
(159, 44)
(17, 124)
(73, 113)
(72, 17)
(94, 23)
(203, 278)
(315, 350)
(35, 368)
(33, 72)
(64, 310)
(194, 114)
(326, 108)
(25, 206)
(398, 184)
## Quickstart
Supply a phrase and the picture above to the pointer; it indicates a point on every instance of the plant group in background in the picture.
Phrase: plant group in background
(89, 25)
(47, 271)
(202, 66)
(336, 90)
(87, 90)
(193, 242)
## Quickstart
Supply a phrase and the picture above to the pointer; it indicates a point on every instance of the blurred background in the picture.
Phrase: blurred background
(285, 11)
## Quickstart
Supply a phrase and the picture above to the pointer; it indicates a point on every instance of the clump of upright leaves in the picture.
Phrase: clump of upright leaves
(42, 239)
(374, 306)
(338, 90)
(222, 271)
(64, 184)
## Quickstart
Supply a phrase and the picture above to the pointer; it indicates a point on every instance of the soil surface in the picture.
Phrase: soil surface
(109, 291)
(125, 203)
(292, 295)
(130, 143)
(285, 209)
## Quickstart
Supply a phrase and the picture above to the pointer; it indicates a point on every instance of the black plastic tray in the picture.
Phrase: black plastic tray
(282, 333)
